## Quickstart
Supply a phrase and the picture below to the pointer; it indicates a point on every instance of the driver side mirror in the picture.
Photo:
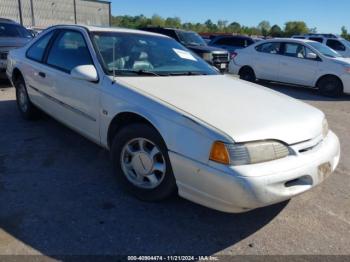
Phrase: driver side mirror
(312, 56)
(85, 72)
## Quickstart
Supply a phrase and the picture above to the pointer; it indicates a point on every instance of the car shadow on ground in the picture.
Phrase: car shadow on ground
(300, 92)
(4, 82)
(59, 197)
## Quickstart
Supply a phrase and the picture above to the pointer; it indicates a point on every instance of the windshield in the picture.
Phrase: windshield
(190, 38)
(11, 30)
(325, 50)
(134, 54)
(347, 42)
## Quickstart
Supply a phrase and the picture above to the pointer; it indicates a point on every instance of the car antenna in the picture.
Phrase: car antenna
(113, 60)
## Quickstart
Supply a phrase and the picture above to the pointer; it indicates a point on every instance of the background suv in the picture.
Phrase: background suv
(339, 44)
(217, 57)
(231, 43)
(12, 35)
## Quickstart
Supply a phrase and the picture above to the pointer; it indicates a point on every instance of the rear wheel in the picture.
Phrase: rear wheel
(247, 74)
(330, 86)
(25, 106)
(141, 163)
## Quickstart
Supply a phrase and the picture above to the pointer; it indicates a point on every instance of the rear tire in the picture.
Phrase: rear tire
(26, 108)
(330, 86)
(247, 74)
(141, 163)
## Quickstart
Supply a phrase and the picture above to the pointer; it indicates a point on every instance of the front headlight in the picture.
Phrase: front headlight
(208, 57)
(325, 128)
(249, 153)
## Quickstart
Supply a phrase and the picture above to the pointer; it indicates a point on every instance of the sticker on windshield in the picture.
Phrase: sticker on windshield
(184, 54)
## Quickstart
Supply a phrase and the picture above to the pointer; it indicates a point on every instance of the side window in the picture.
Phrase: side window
(238, 42)
(317, 39)
(335, 45)
(222, 41)
(172, 34)
(37, 50)
(269, 48)
(68, 51)
(294, 50)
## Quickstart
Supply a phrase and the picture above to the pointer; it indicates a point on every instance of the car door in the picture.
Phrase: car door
(295, 67)
(38, 81)
(266, 61)
(74, 102)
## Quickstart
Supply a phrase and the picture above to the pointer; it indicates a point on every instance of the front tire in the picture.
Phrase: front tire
(330, 86)
(247, 74)
(27, 110)
(141, 163)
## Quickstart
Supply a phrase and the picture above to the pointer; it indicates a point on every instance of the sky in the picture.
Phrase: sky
(328, 16)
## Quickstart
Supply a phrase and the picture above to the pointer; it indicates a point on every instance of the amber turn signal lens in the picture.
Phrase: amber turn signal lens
(219, 153)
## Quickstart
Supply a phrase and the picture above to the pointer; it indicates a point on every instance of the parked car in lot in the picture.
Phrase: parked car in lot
(215, 56)
(294, 61)
(12, 35)
(339, 44)
(172, 122)
(231, 43)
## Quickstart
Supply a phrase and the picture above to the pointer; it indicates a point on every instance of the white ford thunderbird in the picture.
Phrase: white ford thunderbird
(171, 122)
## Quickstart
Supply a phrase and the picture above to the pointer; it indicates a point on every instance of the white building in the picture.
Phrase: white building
(43, 13)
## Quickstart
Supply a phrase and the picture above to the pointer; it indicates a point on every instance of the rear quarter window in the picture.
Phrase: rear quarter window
(335, 45)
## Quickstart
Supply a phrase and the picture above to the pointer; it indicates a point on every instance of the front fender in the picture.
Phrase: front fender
(181, 133)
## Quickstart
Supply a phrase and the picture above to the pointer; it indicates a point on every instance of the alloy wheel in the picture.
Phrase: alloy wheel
(143, 163)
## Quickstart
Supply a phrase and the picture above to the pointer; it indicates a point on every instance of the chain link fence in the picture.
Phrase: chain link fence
(44, 13)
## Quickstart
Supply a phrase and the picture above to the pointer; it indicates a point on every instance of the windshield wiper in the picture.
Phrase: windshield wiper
(137, 72)
(187, 73)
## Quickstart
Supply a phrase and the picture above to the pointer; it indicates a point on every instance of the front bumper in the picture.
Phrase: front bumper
(222, 66)
(243, 188)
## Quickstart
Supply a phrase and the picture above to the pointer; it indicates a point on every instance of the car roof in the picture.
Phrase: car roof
(107, 29)
(8, 21)
(293, 40)
(319, 35)
(167, 28)
(234, 36)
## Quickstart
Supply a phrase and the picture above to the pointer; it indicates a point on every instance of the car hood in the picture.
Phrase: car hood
(13, 42)
(206, 49)
(244, 111)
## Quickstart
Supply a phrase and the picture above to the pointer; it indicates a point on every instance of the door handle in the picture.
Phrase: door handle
(41, 74)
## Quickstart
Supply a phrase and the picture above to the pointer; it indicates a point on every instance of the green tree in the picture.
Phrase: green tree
(276, 31)
(234, 27)
(222, 25)
(212, 27)
(313, 30)
(157, 20)
(295, 28)
(264, 27)
(344, 33)
(174, 22)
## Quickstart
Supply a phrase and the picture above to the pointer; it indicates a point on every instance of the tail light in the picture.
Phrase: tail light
(233, 55)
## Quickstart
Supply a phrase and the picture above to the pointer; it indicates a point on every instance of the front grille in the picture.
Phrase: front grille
(220, 58)
(3, 55)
